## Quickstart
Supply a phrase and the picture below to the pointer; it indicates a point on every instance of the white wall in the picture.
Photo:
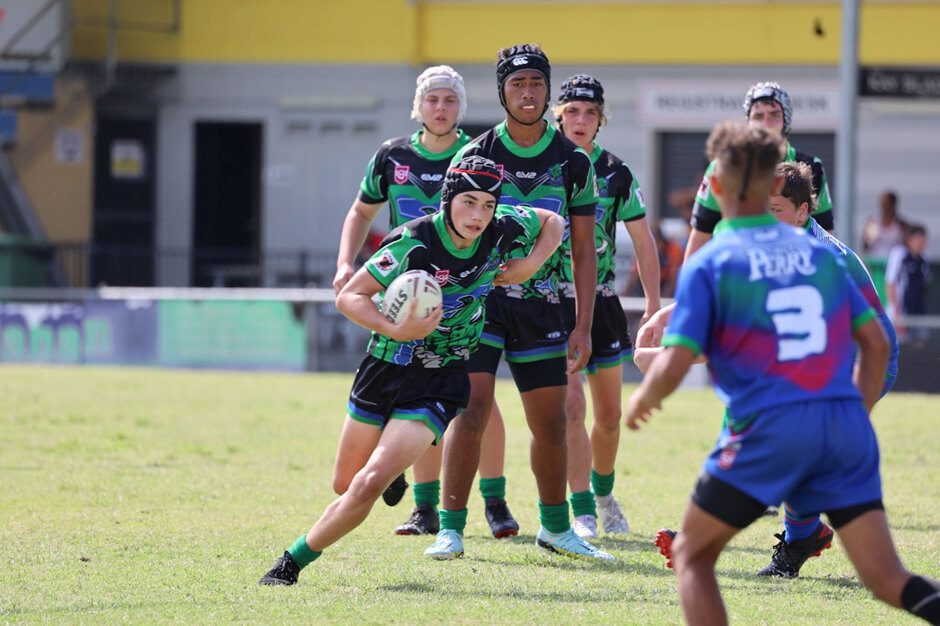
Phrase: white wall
(321, 125)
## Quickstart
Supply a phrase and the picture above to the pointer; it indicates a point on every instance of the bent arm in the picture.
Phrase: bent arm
(872, 362)
(355, 229)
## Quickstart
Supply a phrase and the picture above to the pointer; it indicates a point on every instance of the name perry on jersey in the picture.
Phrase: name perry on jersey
(780, 262)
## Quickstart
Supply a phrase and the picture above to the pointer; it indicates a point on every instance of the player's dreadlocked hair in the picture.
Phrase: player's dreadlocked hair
(797, 184)
(523, 56)
(746, 154)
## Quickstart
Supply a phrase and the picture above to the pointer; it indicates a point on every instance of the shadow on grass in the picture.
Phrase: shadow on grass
(579, 595)
(793, 585)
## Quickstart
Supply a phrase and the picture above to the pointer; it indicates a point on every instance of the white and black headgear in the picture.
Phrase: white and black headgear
(583, 88)
(774, 92)
(471, 173)
(439, 77)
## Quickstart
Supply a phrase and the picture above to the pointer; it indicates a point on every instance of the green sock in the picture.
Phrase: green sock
(555, 517)
(582, 503)
(427, 493)
(301, 552)
(454, 520)
(493, 487)
(602, 485)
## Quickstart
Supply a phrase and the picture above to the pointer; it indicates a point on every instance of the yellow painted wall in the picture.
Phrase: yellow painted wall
(254, 31)
(59, 192)
(420, 32)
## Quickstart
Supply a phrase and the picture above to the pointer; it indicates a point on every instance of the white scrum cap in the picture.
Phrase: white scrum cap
(439, 77)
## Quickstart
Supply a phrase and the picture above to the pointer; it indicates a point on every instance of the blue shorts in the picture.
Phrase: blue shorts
(816, 456)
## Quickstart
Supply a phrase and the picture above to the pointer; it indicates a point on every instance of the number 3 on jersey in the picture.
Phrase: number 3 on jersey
(797, 314)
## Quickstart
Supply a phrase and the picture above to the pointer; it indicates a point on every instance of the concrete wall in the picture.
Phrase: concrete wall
(322, 123)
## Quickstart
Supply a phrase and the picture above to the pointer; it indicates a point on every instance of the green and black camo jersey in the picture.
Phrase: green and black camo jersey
(407, 176)
(706, 214)
(554, 174)
(620, 200)
(465, 276)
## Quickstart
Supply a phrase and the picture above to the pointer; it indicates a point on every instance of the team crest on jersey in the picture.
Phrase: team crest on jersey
(728, 454)
(386, 263)
(703, 189)
(442, 276)
(499, 166)
(401, 174)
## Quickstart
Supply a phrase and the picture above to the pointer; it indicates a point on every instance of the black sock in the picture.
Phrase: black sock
(922, 599)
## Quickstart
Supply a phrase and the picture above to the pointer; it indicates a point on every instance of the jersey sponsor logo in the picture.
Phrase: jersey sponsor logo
(526, 174)
(640, 198)
(522, 212)
(401, 174)
(442, 276)
(780, 263)
(520, 61)
(432, 178)
(555, 334)
(386, 263)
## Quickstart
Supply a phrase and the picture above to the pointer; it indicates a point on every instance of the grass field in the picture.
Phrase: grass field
(151, 496)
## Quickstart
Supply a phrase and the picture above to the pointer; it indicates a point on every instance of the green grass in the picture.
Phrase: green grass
(151, 496)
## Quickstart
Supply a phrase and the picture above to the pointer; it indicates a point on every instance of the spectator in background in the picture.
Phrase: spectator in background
(885, 232)
(669, 253)
(907, 276)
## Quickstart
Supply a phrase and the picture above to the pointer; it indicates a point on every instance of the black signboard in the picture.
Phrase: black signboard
(893, 82)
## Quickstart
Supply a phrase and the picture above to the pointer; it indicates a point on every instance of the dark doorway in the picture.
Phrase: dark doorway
(123, 229)
(227, 207)
(682, 163)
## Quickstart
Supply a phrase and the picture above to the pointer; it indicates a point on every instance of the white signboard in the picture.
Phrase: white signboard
(701, 104)
(69, 145)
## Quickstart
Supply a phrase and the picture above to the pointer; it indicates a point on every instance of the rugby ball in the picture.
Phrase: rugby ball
(408, 287)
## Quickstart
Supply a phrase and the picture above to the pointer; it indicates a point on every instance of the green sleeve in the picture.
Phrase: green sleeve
(373, 189)
(635, 206)
(583, 192)
(824, 200)
(520, 227)
(392, 259)
(705, 197)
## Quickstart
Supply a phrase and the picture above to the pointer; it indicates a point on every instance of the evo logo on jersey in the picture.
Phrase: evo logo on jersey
(432, 178)
(401, 174)
(525, 174)
(780, 262)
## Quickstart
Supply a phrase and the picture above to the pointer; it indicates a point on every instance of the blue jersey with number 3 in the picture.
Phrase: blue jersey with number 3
(773, 310)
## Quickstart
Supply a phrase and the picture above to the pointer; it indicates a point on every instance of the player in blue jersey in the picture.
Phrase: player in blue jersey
(581, 112)
(805, 537)
(776, 314)
(407, 173)
(413, 382)
(526, 323)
